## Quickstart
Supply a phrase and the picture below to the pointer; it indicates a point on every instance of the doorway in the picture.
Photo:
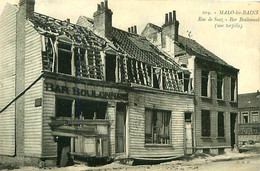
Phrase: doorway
(63, 151)
(233, 117)
(120, 128)
(188, 133)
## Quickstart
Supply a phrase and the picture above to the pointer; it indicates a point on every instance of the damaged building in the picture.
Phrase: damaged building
(249, 118)
(90, 90)
(214, 83)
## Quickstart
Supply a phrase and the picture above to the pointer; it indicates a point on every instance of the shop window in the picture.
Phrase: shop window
(245, 117)
(157, 126)
(221, 124)
(205, 123)
(233, 90)
(63, 107)
(64, 58)
(220, 86)
(110, 68)
(157, 78)
(90, 109)
(255, 117)
(205, 83)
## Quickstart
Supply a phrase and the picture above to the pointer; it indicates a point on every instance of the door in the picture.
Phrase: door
(232, 129)
(188, 134)
(120, 128)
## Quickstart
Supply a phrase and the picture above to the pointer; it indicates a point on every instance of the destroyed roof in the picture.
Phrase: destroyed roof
(82, 36)
(200, 51)
(135, 46)
(249, 100)
(140, 48)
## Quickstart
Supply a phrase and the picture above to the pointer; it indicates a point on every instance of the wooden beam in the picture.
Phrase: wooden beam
(143, 73)
(103, 59)
(125, 68)
(133, 71)
(137, 72)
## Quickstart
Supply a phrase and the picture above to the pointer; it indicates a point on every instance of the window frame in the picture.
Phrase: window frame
(151, 140)
(246, 114)
(222, 134)
(205, 123)
(208, 88)
(255, 113)
(233, 90)
(220, 81)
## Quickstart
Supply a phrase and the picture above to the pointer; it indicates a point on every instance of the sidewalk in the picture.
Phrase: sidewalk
(187, 163)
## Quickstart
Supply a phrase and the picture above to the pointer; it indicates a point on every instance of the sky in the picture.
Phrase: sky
(239, 47)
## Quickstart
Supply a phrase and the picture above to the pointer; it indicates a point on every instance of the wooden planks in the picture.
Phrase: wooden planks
(178, 104)
(33, 115)
(7, 79)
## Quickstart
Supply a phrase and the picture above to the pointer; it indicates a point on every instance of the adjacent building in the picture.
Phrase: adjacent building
(91, 91)
(213, 82)
(249, 117)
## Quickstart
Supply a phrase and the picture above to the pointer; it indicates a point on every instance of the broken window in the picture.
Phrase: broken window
(63, 107)
(255, 117)
(85, 109)
(205, 83)
(157, 126)
(64, 58)
(157, 78)
(245, 117)
(220, 86)
(205, 123)
(221, 124)
(233, 89)
(110, 68)
(186, 82)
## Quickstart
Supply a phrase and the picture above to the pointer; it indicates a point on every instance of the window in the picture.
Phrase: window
(64, 58)
(220, 86)
(157, 78)
(205, 83)
(186, 82)
(233, 89)
(110, 68)
(205, 123)
(255, 117)
(63, 107)
(245, 117)
(85, 109)
(157, 126)
(221, 124)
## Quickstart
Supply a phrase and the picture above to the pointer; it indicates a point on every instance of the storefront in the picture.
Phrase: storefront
(90, 119)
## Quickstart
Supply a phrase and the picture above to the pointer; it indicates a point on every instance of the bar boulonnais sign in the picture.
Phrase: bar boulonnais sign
(77, 91)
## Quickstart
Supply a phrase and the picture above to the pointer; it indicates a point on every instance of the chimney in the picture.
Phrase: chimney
(174, 15)
(103, 19)
(170, 18)
(25, 11)
(132, 29)
(26, 8)
(170, 28)
(135, 29)
(166, 18)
